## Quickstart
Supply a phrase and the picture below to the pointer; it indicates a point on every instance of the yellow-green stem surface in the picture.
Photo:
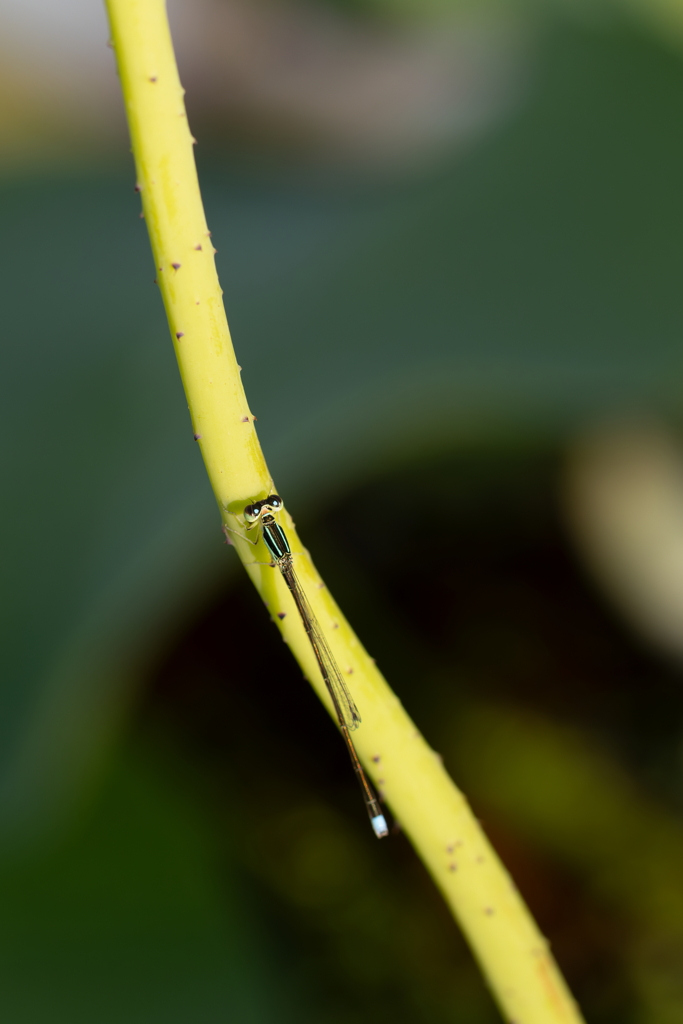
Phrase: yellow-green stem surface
(408, 774)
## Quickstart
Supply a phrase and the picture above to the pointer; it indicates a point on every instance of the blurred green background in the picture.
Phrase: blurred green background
(451, 242)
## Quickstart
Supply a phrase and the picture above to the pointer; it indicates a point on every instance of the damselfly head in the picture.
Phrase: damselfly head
(273, 503)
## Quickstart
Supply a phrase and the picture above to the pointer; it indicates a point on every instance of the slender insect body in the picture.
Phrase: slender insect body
(262, 513)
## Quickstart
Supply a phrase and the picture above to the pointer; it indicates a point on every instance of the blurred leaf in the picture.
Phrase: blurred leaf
(125, 917)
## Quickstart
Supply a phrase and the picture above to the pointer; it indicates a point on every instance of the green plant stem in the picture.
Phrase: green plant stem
(513, 954)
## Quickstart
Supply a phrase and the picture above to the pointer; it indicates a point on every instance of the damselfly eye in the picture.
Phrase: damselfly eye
(275, 501)
(251, 512)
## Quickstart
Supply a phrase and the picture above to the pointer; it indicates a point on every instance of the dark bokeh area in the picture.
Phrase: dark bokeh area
(501, 634)
(450, 243)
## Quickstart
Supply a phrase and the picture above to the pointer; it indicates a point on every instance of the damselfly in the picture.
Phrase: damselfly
(263, 513)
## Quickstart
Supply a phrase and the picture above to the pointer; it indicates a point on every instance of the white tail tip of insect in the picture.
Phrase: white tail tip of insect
(379, 825)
